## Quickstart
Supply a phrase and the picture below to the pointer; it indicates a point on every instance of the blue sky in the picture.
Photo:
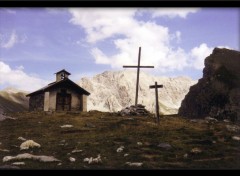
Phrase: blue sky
(37, 42)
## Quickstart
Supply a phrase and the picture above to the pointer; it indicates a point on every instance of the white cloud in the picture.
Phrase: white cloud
(12, 40)
(173, 12)
(17, 78)
(128, 34)
(198, 54)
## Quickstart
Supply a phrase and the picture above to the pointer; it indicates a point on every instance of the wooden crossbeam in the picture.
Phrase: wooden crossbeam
(156, 86)
(125, 66)
(138, 70)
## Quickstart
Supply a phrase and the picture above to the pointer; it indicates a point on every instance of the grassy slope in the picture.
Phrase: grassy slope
(112, 131)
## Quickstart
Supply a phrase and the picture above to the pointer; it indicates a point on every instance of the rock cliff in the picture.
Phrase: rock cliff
(217, 94)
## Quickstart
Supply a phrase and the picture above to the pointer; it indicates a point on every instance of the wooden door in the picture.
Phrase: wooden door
(63, 101)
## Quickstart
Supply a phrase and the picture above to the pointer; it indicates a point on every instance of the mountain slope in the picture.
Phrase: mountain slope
(112, 91)
(13, 100)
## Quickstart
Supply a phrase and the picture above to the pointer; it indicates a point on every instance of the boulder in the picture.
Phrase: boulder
(29, 144)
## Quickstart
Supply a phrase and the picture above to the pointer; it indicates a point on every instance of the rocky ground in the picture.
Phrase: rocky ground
(97, 140)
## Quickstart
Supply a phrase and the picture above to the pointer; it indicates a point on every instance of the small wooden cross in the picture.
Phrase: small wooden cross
(138, 70)
(156, 94)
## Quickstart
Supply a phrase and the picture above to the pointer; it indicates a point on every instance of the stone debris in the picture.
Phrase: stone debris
(21, 138)
(134, 164)
(165, 146)
(210, 119)
(196, 150)
(4, 150)
(18, 163)
(77, 151)
(72, 159)
(226, 121)
(59, 164)
(66, 126)
(233, 128)
(41, 158)
(126, 154)
(134, 110)
(90, 125)
(9, 167)
(236, 138)
(92, 160)
(29, 144)
(185, 155)
(120, 149)
(139, 143)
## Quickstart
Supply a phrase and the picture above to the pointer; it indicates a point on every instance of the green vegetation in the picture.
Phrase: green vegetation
(103, 133)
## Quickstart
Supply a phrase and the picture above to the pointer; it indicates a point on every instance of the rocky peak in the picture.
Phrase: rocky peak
(114, 90)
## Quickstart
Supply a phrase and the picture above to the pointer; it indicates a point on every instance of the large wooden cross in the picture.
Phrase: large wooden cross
(138, 70)
(156, 94)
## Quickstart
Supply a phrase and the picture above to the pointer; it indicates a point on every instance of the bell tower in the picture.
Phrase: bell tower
(62, 75)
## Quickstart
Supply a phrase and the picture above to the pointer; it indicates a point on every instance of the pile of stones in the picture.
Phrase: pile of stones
(134, 110)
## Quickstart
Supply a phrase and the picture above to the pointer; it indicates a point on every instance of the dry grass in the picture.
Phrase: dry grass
(102, 133)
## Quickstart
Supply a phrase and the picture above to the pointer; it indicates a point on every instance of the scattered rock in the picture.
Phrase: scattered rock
(236, 138)
(76, 151)
(90, 125)
(4, 150)
(196, 150)
(41, 158)
(210, 119)
(29, 144)
(126, 154)
(185, 155)
(72, 159)
(139, 143)
(18, 163)
(66, 126)
(226, 121)
(233, 128)
(129, 118)
(120, 149)
(214, 142)
(92, 160)
(9, 167)
(165, 146)
(134, 164)
(194, 121)
(21, 138)
(59, 164)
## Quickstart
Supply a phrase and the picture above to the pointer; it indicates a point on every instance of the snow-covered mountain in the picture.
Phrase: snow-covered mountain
(114, 90)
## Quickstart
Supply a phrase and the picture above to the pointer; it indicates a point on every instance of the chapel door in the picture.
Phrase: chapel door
(63, 101)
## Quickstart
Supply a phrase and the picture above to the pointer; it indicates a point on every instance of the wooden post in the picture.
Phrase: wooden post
(156, 95)
(138, 71)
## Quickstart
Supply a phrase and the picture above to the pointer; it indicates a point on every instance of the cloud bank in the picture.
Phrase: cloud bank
(128, 33)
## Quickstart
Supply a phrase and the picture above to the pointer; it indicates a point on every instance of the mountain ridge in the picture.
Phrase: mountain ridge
(115, 90)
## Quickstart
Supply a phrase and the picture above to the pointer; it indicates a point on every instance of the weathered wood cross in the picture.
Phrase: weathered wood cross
(138, 70)
(156, 94)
